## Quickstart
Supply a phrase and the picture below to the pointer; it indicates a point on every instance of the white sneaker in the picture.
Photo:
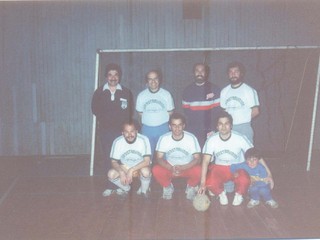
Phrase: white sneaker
(107, 192)
(191, 192)
(252, 203)
(167, 192)
(272, 203)
(121, 192)
(237, 199)
(139, 190)
(211, 194)
(223, 198)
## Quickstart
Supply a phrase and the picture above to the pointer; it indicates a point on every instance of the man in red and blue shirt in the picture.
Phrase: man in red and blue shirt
(201, 101)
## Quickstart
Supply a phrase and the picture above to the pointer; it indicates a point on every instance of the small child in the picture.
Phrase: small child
(259, 186)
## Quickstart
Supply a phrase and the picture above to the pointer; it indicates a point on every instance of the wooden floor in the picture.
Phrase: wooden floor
(55, 199)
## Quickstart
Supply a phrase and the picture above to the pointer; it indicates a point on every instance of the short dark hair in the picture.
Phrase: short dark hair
(224, 114)
(206, 67)
(113, 66)
(239, 65)
(252, 153)
(156, 71)
(177, 115)
(132, 122)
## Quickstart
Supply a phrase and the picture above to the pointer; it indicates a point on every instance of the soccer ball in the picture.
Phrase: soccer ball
(201, 202)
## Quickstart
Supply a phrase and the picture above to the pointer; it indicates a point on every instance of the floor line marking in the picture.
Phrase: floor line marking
(7, 193)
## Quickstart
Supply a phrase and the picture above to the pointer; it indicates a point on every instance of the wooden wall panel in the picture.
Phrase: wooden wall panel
(47, 56)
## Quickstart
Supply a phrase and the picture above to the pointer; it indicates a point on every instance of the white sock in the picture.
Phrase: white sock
(145, 183)
(119, 184)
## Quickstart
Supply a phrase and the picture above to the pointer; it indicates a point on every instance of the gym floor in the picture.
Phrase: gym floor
(56, 199)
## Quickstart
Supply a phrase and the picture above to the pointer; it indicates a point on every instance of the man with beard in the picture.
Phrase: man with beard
(200, 101)
(130, 157)
(240, 100)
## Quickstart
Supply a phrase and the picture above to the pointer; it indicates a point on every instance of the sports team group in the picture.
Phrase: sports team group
(209, 144)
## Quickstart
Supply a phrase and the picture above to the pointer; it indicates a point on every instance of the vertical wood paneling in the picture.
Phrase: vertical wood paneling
(47, 56)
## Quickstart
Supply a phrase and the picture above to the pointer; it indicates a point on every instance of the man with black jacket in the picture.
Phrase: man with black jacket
(113, 105)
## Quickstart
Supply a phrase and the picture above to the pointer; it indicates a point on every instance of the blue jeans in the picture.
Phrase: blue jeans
(153, 133)
(256, 191)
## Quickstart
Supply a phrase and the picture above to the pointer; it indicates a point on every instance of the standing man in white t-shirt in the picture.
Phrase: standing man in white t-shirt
(130, 157)
(177, 154)
(154, 105)
(240, 100)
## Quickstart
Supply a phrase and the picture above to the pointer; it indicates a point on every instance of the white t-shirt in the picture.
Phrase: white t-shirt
(178, 152)
(227, 152)
(238, 102)
(130, 154)
(154, 106)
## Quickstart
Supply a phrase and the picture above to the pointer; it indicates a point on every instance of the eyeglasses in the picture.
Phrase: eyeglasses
(153, 79)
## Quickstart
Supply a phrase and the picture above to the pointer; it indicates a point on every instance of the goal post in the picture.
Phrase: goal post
(136, 62)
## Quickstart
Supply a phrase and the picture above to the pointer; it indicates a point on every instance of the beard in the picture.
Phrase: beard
(235, 81)
(131, 140)
(200, 79)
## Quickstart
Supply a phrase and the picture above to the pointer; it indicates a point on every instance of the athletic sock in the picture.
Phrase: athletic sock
(145, 183)
(119, 184)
